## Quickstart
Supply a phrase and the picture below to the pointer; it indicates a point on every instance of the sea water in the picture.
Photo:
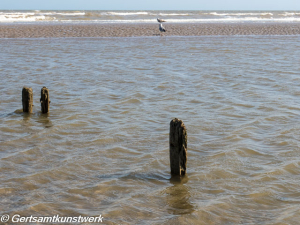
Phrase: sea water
(98, 16)
(103, 149)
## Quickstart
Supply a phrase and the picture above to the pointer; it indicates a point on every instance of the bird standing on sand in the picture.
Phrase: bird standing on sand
(161, 28)
(160, 20)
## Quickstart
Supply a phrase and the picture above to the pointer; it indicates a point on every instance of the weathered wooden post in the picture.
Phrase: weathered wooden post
(45, 100)
(27, 99)
(178, 147)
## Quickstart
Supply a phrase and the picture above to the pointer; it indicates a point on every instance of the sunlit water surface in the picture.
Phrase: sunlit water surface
(103, 149)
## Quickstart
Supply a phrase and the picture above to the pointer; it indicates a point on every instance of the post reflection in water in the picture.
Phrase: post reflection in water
(43, 118)
(26, 116)
(178, 196)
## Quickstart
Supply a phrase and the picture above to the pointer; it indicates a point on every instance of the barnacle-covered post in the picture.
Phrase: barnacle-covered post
(27, 99)
(178, 147)
(45, 100)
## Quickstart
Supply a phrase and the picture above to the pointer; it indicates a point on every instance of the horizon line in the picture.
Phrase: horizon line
(161, 9)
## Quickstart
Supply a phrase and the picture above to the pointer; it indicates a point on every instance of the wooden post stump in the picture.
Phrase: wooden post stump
(27, 99)
(178, 147)
(45, 100)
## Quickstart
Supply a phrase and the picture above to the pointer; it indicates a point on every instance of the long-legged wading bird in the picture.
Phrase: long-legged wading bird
(160, 20)
(161, 28)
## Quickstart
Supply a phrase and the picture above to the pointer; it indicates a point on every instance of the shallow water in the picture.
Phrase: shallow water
(103, 149)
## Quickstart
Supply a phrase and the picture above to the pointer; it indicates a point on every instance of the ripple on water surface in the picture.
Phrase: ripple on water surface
(103, 149)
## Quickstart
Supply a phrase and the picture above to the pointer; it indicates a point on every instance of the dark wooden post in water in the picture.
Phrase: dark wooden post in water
(178, 147)
(27, 99)
(45, 100)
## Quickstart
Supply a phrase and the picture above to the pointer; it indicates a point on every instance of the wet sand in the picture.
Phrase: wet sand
(132, 30)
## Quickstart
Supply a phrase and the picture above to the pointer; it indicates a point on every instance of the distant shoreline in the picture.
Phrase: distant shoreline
(53, 30)
(149, 16)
